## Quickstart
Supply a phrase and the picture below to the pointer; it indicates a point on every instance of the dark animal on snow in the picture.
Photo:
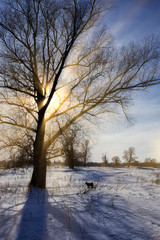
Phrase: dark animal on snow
(89, 185)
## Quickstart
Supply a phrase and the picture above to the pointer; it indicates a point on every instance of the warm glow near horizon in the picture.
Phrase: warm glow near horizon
(156, 148)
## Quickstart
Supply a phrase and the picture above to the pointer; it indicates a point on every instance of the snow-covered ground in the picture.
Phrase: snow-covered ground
(124, 204)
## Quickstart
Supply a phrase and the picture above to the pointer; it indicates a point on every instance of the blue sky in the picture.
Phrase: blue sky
(131, 20)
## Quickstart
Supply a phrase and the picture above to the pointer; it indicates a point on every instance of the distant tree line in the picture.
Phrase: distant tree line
(130, 159)
(76, 151)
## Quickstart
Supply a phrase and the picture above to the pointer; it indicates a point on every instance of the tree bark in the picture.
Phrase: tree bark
(71, 163)
(39, 154)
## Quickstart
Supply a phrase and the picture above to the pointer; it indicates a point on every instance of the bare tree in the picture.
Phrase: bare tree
(85, 151)
(129, 156)
(105, 159)
(18, 145)
(70, 142)
(116, 161)
(58, 60)
(76, 148)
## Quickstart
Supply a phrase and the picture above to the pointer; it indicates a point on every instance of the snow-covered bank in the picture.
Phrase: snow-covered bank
(123, 205)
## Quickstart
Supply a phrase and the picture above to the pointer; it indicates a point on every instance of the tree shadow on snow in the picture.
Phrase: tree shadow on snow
(94, 216)
(33, 217)
(47, 217)
(88, 216)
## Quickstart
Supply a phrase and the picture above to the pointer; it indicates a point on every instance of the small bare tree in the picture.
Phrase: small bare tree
(116, 161)
(69, 147)
(85, 151)
(105, 159)
(76, 149)
(129, 156)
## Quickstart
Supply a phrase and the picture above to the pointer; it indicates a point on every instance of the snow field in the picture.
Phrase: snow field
(124, 205)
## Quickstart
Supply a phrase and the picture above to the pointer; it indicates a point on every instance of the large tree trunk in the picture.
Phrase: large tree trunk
(70, 162)
(39, 171)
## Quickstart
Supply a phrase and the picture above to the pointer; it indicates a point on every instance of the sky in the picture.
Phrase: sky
(132, 20)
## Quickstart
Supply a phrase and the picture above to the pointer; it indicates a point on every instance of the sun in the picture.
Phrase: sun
(59, 101)
(54, 104)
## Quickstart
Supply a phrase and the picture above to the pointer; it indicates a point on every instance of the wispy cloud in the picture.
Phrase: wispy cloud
(127, 15)
(132, 20)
